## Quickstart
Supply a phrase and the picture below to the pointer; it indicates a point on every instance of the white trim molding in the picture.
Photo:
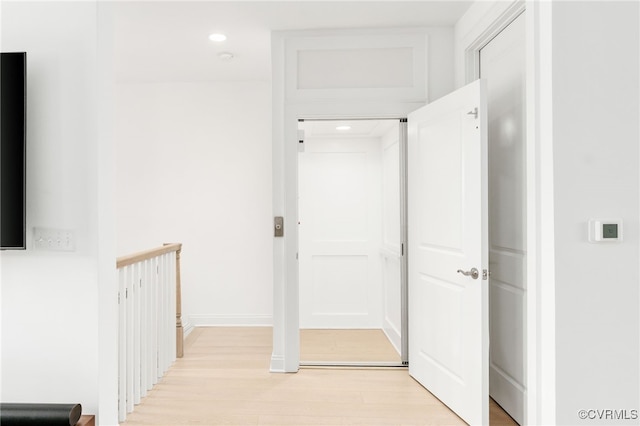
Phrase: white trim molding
(187, 327)
(541, 309)
(213, 320)
(482, 22)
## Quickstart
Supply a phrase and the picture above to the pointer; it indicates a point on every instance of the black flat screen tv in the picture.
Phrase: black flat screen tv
(13, 91)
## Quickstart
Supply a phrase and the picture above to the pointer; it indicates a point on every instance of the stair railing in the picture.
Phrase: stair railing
(149, 301)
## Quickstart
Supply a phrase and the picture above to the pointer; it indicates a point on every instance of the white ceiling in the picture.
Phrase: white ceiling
(168, 40)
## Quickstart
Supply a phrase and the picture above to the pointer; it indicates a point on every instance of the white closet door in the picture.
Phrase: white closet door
(502, 65)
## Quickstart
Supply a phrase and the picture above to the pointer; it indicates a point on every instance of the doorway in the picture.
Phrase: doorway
(350, 242)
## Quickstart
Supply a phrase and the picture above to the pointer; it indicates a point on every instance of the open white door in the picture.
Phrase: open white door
(447, 222)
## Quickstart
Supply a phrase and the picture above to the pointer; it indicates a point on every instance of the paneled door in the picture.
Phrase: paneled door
(448, 251)
(339, 190)
(503, 65)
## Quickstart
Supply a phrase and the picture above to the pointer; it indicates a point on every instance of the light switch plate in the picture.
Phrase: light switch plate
(54, 239)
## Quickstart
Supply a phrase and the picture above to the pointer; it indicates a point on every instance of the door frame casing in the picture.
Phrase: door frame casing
(290, 104)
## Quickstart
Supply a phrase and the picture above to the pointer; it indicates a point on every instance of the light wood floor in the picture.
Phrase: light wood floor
(347, 346)
(224, 379)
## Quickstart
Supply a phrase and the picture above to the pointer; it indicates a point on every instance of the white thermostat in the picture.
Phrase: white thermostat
(603, 230)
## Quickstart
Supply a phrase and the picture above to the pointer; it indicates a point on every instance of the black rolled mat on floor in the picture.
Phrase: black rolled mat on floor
(30, 414)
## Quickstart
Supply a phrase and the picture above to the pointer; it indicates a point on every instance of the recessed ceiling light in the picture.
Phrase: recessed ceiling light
(225, 56)
(217, 37)
(343, 128)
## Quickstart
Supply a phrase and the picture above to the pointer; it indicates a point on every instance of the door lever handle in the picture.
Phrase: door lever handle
(473, 273)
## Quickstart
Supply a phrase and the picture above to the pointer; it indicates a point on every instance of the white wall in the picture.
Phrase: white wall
(194, 166)
(50, 301)
(596, 128)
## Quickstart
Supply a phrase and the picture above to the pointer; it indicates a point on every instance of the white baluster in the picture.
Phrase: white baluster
(128, 300)
(144, 324)
(135, 286)
(122, 347)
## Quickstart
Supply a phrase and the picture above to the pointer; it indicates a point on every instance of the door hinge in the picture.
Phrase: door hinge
(402, 249)
(474, 113)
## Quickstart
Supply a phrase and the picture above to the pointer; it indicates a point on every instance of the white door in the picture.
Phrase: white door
(502, 65)
(447, 222)
(340, 230)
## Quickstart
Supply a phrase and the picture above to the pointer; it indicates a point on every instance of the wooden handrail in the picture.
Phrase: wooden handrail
(130, 259)
(141, 256)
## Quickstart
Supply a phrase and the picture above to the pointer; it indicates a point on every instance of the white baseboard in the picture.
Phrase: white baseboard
(212, 320)
(187, 328)
(277, 364)
(393, 334)
(507, 392)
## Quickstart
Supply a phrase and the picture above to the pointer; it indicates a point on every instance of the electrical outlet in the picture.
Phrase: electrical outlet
(54, 239)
